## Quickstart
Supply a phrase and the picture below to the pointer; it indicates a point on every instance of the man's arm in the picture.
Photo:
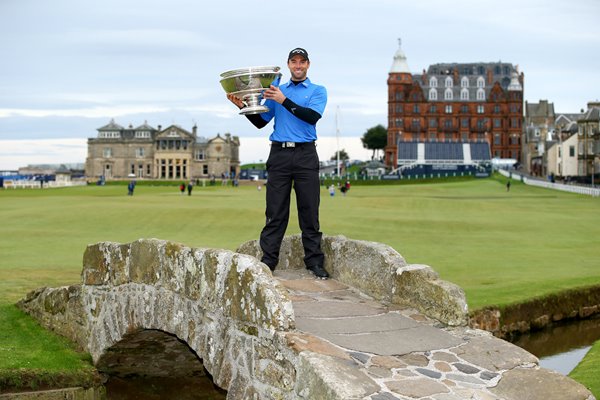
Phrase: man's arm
(304, 113)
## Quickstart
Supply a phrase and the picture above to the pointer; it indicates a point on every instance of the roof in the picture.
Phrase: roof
(400, 65)
(541, 109)
(593, 114)
(111, 126)
(145, 127)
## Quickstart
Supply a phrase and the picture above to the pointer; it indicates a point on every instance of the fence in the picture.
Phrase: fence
(590, 191)
(33, 184)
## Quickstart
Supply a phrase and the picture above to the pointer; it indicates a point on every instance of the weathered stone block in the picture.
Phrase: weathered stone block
(104, 263)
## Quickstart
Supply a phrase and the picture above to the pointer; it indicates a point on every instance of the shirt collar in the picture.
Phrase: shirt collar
(304, 83)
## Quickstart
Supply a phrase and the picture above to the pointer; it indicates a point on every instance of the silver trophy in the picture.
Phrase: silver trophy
(248, 84)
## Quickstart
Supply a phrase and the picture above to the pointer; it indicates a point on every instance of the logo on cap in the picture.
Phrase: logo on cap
(298, 52)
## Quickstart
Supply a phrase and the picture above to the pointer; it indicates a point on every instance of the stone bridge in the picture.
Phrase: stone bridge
(380, 329)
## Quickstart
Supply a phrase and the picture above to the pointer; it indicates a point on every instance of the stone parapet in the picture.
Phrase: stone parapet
(381, 272)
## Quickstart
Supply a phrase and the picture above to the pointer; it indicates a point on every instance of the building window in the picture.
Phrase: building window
(107, 152)
(399, 109)
(205, 169)
(142, 134)
(199, 154)
(399, 95)
(464, 94)
(497, 140)
(497, 123)
(480, 82)
(481, 124)
(432, 94)
(571, 151)
(432, 137)
(399, 123)
(464, 109)
(480, 94)
(448, 109)
(464, 122)
(448, 94)
(148, 169)
(432, 122)
(416, 124)
(464, 82)
(416, 109)
(433, 108)
(139, 152)
(433, 82)
(480, 109)
(448, 82)
(514, 139)
(497, 109)
(447, 123)
(465, 137)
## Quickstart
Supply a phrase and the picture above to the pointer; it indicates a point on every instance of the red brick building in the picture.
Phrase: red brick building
(455, 102)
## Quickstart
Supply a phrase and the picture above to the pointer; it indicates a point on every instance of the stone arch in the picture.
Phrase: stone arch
(150, 352)
(220, 303)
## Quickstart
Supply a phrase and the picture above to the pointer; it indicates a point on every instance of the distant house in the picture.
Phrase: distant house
(157, 153)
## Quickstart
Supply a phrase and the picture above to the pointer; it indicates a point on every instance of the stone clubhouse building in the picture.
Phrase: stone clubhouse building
(172, 153)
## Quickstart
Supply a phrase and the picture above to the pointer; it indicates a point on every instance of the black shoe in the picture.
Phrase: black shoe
(318, 271)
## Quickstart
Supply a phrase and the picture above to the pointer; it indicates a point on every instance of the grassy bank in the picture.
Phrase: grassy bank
(501, 247)
(588, 370)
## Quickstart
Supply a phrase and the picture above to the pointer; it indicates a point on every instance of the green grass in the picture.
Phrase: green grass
(500, 247)
(588, 370)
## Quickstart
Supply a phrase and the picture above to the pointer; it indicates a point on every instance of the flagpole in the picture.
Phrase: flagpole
(337, 139)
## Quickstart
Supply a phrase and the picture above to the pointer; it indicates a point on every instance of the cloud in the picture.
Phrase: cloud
(95, 112)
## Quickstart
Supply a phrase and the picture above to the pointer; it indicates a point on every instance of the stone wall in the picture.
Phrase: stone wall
(538, 313)
(381, 272)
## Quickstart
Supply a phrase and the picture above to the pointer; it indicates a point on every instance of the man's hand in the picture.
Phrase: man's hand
(236, 100)
(273, 93)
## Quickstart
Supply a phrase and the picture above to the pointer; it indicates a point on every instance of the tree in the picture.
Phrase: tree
(375, 138)
(343, 156)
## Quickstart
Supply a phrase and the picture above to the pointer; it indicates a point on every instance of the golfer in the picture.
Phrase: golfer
(296, 106)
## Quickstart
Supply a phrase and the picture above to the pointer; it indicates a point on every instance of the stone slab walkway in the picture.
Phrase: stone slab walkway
(391, 353)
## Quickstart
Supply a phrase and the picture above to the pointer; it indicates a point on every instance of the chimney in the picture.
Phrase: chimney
(490, 76)
(159, 127)
(194, 130)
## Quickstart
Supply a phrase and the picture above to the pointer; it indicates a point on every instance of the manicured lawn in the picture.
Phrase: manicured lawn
(500, 247)
(588, 370)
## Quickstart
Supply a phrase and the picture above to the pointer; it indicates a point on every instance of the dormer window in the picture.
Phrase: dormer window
(432, 94)
(433, 82)
(448, 82)
(464, 94)
(464, 82)
(480, 94)
(480, 82)
(448, 94)
(142, 134)
(109, 134)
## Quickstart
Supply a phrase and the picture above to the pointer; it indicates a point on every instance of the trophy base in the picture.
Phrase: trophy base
(253, 110)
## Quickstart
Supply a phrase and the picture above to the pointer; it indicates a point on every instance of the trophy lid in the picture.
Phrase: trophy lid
(250, 71)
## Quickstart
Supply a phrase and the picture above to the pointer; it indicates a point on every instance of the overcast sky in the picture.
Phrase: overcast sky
(69, 66)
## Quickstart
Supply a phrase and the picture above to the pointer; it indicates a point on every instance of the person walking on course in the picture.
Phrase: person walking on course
(296, 106)
(190, 186)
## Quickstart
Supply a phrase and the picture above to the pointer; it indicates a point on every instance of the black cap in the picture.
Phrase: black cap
(298, 51)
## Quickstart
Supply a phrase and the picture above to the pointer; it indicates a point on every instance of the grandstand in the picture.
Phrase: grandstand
(416, 158)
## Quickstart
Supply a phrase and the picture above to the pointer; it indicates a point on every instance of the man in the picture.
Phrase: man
(296, 107)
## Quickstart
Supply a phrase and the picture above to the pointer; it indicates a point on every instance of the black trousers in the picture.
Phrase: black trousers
(297, 167)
